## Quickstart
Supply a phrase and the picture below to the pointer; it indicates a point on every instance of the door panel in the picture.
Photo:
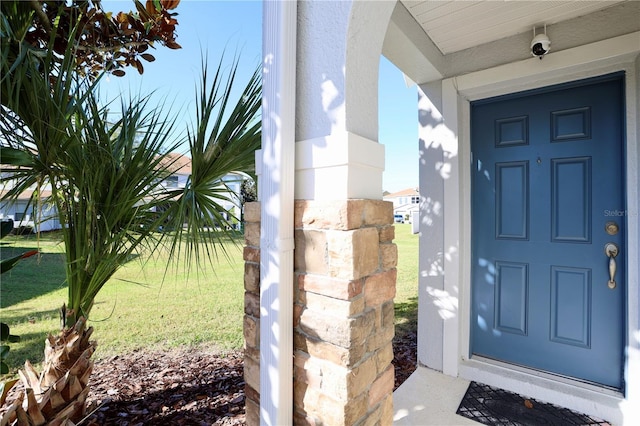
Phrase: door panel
(571, 199)
(512, 200)
(547, 167)
(570, 306)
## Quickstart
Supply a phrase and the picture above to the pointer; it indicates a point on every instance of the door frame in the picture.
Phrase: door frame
(604, 57)
(498, 349)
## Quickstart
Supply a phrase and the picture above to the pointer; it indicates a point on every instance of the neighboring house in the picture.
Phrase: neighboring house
(405, 203)
(30, 216)
(180, 167)
(529, 172)
(43, 216)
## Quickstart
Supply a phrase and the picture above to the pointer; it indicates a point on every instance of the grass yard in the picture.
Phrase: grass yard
(136, 309)
(406, 301)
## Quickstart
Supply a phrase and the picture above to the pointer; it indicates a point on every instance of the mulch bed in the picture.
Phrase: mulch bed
(178, 387)
(196, 386)
(405, 356)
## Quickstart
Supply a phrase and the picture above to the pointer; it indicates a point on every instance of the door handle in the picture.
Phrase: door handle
(611, 250)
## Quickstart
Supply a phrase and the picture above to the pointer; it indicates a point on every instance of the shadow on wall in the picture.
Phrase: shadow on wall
(438, 170)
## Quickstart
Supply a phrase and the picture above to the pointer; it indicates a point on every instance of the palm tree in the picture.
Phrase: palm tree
(104, 184)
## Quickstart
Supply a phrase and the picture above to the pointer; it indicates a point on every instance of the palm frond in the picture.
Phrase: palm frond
(104, 177)
(224, 140)
(112, 194)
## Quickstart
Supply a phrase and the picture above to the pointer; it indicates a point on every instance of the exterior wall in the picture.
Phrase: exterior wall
(345, 268)
(446, 235)
(47, 220)
(337, 151)
(233, 182)
(403, 198)
(338, 161)
(35, 215)
(334, 48)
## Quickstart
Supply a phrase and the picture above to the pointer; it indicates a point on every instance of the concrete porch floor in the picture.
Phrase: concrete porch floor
(428, 397)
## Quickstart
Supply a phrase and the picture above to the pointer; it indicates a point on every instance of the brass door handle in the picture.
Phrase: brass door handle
(611, 250)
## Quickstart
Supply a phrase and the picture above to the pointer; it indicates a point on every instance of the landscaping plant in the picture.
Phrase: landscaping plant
(105, 177)
(6, 226)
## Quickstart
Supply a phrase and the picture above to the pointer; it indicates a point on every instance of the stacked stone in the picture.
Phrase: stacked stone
(345, 265)
(252, 312)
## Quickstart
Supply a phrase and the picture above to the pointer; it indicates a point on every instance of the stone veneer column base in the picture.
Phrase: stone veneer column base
(345, 268)
(251, 324)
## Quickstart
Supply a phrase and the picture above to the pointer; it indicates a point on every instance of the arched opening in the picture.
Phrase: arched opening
(398, 132)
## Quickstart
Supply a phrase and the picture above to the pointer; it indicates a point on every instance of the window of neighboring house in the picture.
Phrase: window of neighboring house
(21, 214)
(171, 182)
(7, 182)
(415, 200)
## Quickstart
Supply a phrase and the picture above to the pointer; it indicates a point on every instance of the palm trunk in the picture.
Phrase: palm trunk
(58, 394)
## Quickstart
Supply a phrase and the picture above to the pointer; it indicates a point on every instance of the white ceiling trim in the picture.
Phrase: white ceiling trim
(457, 25)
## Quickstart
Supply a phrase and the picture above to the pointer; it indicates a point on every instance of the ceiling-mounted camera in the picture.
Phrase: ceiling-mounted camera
(540, 45)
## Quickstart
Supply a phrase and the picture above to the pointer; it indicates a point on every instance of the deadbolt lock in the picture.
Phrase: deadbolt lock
(612, 228)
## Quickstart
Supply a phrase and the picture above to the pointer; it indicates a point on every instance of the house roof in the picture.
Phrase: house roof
(25, 195)
(409, 192)
(177, 163)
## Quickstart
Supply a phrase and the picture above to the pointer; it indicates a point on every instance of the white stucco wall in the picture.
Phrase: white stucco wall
(320, 90)
(337, 150)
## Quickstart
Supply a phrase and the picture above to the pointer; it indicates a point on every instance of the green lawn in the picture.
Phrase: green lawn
(136, 309)
(406, 302)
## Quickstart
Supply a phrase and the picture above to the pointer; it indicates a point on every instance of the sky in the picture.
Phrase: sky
(235, 27)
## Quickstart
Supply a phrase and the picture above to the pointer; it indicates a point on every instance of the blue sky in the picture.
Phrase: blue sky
(236, 26)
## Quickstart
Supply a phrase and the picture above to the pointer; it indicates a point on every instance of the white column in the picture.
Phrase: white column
(339, 166)
(451, 177)
(337, 150)
(431, 261)
(276, 196)
(438, 300)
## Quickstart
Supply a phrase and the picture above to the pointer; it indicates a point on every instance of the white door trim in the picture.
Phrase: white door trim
(617, 54)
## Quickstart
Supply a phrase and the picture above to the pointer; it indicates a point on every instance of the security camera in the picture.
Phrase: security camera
(540, 45)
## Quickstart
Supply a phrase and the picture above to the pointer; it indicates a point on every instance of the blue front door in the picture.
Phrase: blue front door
(548, 196)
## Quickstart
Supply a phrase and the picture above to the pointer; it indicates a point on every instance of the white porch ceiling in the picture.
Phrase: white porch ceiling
(457, 25)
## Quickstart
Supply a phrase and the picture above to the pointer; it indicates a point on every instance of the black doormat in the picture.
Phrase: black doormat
(491, 406)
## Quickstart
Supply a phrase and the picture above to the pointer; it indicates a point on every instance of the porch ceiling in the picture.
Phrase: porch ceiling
(457, 25)
(429, 40)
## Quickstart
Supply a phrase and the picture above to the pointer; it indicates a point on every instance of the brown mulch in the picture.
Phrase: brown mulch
(179, 387)
(196, 386)
(405, 356)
